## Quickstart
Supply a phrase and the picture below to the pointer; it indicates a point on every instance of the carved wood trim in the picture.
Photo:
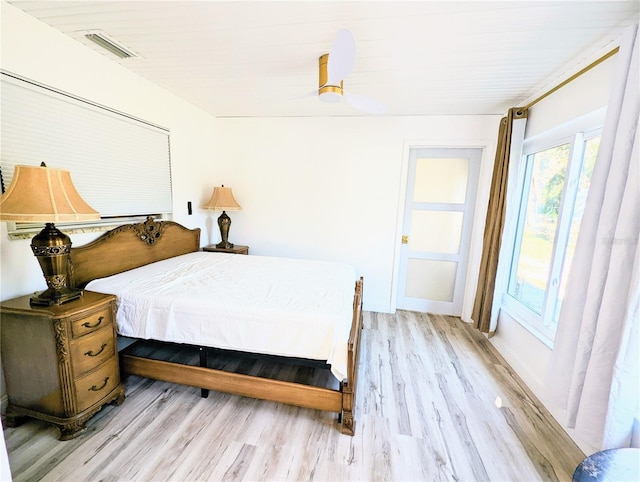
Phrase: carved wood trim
(64, 367)
(61, 340)
(149, 231)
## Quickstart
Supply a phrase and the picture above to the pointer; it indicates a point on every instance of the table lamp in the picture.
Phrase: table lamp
(222, 200)
(42, 194)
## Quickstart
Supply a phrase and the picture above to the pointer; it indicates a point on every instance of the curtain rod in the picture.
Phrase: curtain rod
(573, 77)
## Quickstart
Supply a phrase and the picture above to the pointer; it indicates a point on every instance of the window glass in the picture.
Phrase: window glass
(552, 182)
(588, 161)
(537, 230)
(555, 180)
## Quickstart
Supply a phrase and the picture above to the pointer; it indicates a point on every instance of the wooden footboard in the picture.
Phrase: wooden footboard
(353, 361)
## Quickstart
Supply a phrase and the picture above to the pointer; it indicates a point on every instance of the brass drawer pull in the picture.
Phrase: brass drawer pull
(90, 352)
(97, 389)
(86, 324)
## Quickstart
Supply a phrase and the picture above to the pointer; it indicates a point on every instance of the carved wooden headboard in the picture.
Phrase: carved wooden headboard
(131, 246)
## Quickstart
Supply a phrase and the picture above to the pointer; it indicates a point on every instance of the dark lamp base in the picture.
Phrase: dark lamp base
(224, 245)
(55, 297)
(51, 248)
(224, 223)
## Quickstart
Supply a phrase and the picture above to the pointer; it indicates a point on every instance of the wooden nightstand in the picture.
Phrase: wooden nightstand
(235, 250)
(60, 361)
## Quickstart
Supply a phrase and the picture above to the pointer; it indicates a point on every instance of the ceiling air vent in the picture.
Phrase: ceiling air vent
(109, 44)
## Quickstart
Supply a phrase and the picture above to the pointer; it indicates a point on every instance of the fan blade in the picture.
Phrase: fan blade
(342, 57)
(365, 104)
(297, 97)
(313, 93)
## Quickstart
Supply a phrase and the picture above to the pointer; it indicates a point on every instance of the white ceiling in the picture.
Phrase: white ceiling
(237, 58)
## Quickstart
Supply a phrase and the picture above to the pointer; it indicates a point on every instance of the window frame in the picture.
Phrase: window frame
(576, 133)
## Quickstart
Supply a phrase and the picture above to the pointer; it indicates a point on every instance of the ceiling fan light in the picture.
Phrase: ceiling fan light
(330, 96)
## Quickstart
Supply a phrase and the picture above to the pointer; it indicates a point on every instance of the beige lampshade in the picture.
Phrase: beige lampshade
(43, 194)
(222, 200)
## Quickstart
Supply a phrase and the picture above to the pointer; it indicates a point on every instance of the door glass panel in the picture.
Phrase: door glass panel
(440, 196)
(431, 279)
(436, 231)
(441, 180)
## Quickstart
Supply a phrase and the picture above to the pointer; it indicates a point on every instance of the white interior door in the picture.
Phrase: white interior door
(438, 217)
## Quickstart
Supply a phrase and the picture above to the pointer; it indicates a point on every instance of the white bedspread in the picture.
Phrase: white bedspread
(260, 304)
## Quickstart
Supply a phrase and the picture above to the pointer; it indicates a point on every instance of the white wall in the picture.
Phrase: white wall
(333, 188)
(526, 354)
(33, 50)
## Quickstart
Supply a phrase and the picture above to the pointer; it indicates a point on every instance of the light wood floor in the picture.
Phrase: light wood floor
(427, 409)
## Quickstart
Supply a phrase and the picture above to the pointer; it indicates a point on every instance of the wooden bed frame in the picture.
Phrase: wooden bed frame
(134, 245)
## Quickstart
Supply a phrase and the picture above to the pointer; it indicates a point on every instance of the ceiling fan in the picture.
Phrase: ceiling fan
(335, 67)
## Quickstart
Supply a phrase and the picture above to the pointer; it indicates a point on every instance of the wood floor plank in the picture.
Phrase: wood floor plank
(435, 402)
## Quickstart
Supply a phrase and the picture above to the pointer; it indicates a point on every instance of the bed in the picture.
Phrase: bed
(301, 311)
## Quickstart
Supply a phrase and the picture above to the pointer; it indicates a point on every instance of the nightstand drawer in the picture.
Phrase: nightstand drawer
(90, 323)
(90, 351)
(97, 385)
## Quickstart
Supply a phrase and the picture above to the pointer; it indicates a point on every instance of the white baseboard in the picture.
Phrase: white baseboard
(515, 360)
(378, 308)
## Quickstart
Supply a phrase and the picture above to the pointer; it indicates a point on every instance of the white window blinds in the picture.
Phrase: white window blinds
(119, 165)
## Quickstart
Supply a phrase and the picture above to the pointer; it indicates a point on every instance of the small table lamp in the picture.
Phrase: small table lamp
(222, 200)
(42, 194)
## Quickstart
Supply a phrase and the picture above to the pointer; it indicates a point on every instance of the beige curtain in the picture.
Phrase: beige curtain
(482, 307)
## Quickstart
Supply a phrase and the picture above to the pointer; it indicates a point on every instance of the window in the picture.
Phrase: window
(555, 177)
(120, 165)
